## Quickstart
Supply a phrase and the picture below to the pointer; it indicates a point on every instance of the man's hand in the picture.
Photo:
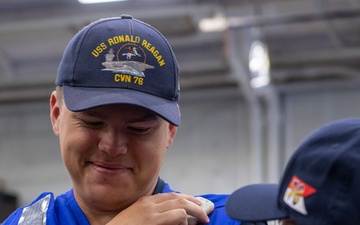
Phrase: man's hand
(161, 209)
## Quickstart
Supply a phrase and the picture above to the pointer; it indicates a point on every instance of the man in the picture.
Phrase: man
(320, 185)
(115, 111)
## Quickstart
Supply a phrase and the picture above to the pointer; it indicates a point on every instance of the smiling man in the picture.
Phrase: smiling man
(114, 133)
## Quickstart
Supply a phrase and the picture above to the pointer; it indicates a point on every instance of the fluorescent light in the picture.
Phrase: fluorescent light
(259, 64)
(214, 24)
(97, 1)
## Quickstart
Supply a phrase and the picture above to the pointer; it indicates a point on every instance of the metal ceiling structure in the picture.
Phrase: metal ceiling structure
(308, 41)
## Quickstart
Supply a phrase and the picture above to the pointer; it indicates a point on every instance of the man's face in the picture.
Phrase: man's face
(113, 153)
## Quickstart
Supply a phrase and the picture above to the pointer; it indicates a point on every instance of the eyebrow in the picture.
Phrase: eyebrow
(145, 117)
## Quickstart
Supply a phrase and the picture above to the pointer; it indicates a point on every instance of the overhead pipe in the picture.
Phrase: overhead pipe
(25, 92)
(257, 21)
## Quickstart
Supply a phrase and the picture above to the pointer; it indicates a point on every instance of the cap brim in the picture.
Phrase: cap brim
(257, 202)
(82, 98)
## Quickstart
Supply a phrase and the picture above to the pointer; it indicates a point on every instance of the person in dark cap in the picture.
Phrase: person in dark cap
(115, 110)
(320, 184)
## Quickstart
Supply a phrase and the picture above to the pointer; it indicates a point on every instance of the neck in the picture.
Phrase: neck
(96, 216)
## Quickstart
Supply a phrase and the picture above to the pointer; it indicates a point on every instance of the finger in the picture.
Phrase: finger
(167, 196)
(190, 204)
(174, 216)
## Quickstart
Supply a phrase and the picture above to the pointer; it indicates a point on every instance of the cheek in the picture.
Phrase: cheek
(75, 144)
(150, 152)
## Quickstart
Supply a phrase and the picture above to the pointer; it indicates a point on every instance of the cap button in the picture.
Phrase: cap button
(126, 16)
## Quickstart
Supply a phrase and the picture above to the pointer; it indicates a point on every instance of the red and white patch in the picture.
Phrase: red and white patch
(296, 193)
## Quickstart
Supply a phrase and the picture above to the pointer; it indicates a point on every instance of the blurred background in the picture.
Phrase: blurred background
(257, 76)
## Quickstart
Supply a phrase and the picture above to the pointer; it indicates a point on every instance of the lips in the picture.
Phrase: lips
(109, 168)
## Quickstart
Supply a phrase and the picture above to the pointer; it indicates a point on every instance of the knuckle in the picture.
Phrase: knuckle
(181, 201)
(182, 214)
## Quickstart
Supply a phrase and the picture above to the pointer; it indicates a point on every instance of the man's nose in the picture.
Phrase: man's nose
(113, 143)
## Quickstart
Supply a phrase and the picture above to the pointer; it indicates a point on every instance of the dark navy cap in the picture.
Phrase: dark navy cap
(120, 60)
(320, 184)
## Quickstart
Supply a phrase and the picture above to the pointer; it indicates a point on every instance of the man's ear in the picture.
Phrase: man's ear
(55, 112)
(172, 134)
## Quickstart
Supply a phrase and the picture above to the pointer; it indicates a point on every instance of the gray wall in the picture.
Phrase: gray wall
(30, 160)
(211, 153)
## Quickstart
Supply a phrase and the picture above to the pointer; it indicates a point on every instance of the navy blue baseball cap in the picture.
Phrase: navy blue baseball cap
(120, 60)
(320, 184)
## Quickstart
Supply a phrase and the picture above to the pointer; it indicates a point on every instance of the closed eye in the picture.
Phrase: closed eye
(92, 124)
(138, 130)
